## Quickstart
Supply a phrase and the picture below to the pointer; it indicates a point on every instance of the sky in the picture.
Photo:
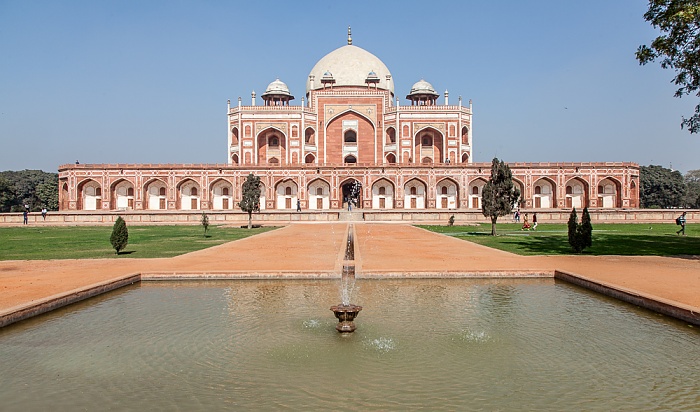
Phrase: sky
(147, 81)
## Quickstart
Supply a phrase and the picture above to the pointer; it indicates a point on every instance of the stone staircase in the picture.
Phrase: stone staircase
(354, 216)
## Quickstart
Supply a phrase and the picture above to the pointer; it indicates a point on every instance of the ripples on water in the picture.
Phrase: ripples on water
(420, 344)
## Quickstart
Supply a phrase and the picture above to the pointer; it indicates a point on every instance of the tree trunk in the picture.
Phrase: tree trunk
(250, 220)
(493, 225)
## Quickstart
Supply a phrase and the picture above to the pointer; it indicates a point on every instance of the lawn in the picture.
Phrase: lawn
(657, 239)
(92, 242)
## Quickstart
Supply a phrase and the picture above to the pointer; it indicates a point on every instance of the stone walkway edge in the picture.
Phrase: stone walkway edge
(666, 307)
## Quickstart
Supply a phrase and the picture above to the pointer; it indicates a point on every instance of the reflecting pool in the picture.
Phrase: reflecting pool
(431, 344)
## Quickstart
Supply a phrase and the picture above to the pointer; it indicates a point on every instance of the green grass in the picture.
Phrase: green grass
(657, 239)
(35, 243)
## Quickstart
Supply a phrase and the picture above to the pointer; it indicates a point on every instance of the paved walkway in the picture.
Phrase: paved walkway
(316, 250)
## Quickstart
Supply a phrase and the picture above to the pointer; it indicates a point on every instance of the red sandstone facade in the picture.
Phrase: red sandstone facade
(350, 137)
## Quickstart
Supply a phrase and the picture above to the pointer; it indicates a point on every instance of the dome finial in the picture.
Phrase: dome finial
(349, 35)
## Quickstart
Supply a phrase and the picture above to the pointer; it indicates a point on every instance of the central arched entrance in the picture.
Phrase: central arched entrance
(352, 193)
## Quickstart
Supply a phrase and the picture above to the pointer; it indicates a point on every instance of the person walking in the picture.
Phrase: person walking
(526, 224)
(43, 213)
(534, 221)
(25, 214)
(298, 205)
(681, 221)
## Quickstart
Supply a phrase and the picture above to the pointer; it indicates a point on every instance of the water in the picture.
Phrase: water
(419, 344)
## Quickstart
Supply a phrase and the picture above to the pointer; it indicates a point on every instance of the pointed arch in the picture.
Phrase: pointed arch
(428, 143)
(544, 192)
(465, 135)
(576, 193)
(447, 194)
(310, 158)
(121, 195)
(188, 192)
(221, 192)
(155, 192)
(609, 192)
(390, 158)
(415, 191)
(271, 143)
(351, 190)
(390, 137)
(286, 194)
(383, 191)
(89, 195)
(521, 187)
(319, 194)
(341, 113)
(64, 196)
(310, 136)
(234, 136)
(476, 189)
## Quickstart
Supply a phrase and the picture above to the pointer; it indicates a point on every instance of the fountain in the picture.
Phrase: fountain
(346, 311)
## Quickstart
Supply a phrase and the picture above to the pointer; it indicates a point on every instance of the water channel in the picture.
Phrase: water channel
(454, 344)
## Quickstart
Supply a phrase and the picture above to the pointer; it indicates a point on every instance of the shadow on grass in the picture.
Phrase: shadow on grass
(603, 244)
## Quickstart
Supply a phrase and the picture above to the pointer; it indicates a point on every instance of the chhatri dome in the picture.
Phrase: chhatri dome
(276, 94)
(422, 87)
(278, 87)
(349, 66)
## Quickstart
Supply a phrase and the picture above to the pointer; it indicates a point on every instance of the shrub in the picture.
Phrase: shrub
(120, 235)
(205, 223)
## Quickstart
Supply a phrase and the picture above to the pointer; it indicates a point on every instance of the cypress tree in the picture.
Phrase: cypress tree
(580, 234)
(251, 197)
(572, 225)
(120, 235)
(586, 229)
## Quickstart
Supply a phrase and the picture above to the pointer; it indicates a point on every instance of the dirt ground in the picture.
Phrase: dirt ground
(380, 249)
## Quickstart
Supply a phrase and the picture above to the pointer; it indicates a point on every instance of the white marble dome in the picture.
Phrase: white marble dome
(277, 87)
(422, 87)
(349, 65)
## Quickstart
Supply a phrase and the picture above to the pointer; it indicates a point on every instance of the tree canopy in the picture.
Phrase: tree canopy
(499, 193)
(692, 193)
(677, 48)
(35, 188)
(660, 187)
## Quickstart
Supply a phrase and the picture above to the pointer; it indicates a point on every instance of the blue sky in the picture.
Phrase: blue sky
(147, 82)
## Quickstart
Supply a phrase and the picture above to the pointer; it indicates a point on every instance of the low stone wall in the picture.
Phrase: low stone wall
(653, 303)
(437, 216)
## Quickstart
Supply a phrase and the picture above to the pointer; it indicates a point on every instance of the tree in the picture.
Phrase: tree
(660, 187)
(572, 224)
(28, 187)
(205, 223)
(692, 193)
(47, 193)
(586, 229)
(580, 234)
(7, 195)
(678, 47)
(120, 235)
(499, 194)
(251, 197)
